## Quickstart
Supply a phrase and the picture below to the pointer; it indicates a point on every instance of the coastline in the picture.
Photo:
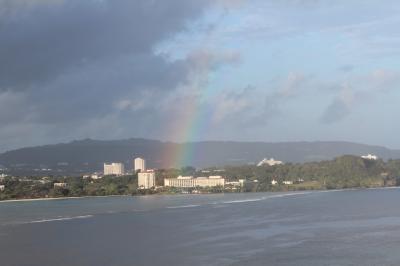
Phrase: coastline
(109, 196)
(60, 198)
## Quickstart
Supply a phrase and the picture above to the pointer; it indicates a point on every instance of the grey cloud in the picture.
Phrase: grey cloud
(335, 112)
(14, 7)
(42, 42)
(233, 105)
(79, 68)
(364, 89)
(293, 86)
(346, 68)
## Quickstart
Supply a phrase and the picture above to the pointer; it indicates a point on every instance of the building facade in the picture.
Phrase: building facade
(139, 164)
(146, 179)
(191, 182)
(114, 169)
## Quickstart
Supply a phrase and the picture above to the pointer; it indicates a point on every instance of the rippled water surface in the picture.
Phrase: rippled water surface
(354, 227)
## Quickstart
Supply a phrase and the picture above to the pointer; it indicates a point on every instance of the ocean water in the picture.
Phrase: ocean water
(352, 227)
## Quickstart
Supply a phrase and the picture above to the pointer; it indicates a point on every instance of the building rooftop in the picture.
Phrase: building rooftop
(185, 177)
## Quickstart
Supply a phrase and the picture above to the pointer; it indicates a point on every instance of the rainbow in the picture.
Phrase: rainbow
(190, 126)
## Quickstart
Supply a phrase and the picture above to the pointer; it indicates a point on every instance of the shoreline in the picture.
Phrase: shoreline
(109, 196)
(60, 198)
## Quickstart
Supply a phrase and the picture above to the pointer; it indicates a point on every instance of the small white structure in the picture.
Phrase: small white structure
(2, 187)
(287, 182)
(370, 157)
(240, 183)
(274, 182)
(147, 179)
(114, 169)
(270, 162)
(139, 165)
(60, 185)
(233, 183)
(96, 176)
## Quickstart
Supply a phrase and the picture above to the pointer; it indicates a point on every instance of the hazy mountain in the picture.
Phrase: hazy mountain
(89, 155)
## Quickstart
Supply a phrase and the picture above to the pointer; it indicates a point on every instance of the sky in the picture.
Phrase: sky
(190, 70)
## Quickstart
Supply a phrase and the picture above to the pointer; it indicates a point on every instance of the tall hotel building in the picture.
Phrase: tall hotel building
(114, 169)
(146, 179)
(139, 164)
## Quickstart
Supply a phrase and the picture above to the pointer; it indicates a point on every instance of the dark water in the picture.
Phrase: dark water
(358, 227)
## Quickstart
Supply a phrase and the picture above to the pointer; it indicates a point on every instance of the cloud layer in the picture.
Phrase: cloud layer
(249, 70)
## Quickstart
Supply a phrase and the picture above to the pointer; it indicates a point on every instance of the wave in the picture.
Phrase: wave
(262, 198)
(242, 201)
(60, 219)
(287, 195)
(183, 206)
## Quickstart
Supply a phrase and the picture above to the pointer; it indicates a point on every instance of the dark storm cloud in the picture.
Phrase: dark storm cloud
(43, 41)
(80, 68)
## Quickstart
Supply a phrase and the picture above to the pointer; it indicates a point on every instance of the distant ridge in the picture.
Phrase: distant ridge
(89, 155)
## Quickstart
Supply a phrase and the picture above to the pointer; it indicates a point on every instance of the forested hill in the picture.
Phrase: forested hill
(89, 155)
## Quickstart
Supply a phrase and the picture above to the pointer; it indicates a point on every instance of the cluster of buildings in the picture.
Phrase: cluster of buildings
(146, 177)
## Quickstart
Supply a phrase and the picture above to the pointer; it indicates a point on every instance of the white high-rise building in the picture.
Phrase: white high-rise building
(146, 179)
(114, 169)
(140, 164)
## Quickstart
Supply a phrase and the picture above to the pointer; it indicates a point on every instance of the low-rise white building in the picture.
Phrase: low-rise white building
(270, 162)
(60, 185)
(274, 182)
(146, 179)
(191, 182)
(114, 169)
(242, 184)
(370, 157)
(2, 187)
(233, 183)
(287, 182)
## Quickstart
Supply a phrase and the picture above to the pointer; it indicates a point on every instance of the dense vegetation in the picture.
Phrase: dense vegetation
(342, 172)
